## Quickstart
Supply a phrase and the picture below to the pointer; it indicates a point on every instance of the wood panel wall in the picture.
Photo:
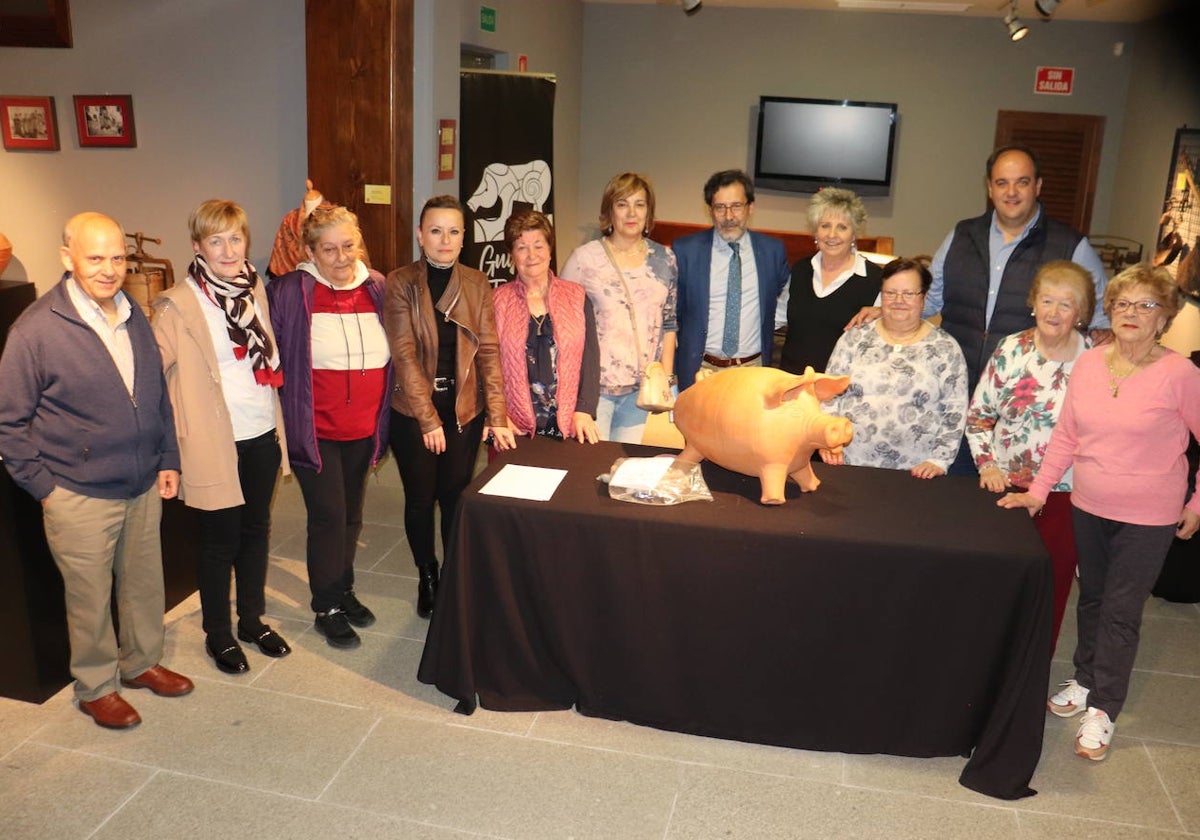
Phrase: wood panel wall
(360, 115)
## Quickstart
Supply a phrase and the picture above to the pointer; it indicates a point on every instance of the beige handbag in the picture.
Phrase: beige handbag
(654, 386)
(654, 391)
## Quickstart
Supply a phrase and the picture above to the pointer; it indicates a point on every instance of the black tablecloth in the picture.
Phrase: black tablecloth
(880, 614)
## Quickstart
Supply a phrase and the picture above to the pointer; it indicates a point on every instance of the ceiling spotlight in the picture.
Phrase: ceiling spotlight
(1046, 8)
(692, 6)
(1016, 29)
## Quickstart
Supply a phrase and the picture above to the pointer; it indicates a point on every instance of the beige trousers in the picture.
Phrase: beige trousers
(99, 544)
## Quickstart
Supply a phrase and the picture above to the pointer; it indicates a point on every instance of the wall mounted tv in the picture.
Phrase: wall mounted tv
(806, 144)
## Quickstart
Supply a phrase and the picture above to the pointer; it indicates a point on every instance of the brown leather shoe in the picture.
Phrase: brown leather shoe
(111, 711)
(161, 681)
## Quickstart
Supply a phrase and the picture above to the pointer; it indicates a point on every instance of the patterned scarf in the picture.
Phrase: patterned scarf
(241, 319)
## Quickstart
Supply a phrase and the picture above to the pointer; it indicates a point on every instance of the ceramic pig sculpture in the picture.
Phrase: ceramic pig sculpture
(764, 422)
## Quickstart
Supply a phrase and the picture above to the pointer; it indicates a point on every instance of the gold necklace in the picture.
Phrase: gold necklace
(539, 320)
(1116, 380)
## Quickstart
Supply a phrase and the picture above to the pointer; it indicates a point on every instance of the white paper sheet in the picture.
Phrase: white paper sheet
(520, 482)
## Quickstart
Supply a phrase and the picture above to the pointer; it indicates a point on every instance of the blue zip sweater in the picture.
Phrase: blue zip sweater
(66, 418)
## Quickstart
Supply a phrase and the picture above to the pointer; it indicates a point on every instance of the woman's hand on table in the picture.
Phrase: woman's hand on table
(502, 437)
(1021, 500)
(1189, 522)
(927, 469)
(586, 430)
(993, 478)
(832, 456)
(435, 441)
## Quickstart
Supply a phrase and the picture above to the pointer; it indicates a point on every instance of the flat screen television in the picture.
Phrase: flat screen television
(806, 144)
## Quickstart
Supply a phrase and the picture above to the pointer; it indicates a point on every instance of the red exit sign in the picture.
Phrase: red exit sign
(1055, 80)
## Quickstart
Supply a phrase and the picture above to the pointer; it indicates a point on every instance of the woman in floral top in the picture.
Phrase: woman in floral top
(631, 284)
(1017, 403)
(908, 383)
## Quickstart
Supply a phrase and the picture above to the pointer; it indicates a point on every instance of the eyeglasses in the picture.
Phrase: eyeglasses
(905, 296)
(735, 208)
(1138, 307)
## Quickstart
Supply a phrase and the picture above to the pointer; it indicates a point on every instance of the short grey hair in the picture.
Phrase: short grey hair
(833, 201)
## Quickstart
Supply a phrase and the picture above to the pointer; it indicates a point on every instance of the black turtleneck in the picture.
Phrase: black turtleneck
(439, 279)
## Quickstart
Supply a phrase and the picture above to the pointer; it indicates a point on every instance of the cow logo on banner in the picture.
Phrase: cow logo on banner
(507, 159)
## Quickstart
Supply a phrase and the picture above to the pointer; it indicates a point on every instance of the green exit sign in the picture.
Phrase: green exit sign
(487, 19)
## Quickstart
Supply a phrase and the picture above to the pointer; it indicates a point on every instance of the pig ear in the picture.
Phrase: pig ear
(827, 387)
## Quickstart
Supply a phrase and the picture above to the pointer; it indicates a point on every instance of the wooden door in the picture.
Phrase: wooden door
(360, 115)
(1068, 149)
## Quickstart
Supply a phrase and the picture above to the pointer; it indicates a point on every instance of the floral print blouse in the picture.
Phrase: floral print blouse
(907, 402)
(653, 289)
(1015, 407)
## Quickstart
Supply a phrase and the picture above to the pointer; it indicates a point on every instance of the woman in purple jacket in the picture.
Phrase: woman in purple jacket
(328, 321)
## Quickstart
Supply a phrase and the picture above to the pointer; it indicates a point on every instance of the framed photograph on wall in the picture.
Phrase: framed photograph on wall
(1178, 248)
(105, 121)
(29, 122)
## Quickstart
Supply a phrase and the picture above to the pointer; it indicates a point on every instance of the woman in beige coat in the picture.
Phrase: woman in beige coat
(223, 375)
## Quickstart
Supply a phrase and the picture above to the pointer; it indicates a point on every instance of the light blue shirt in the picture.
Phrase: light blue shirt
(115, 336)
(999, 252)
(750, 325)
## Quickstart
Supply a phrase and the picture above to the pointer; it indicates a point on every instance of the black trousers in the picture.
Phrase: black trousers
(334, 499)
(234, 541)
(429, 478)
(1118, 565)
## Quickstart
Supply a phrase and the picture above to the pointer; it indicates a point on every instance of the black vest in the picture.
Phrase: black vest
(815, 324)
(965, 284)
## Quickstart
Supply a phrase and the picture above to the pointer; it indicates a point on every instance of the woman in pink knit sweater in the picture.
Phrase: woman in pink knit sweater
(1124, 428)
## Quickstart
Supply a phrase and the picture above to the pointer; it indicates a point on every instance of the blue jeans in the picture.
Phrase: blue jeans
(619, 418)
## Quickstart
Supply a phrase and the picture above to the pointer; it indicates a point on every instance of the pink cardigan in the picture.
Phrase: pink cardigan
(1128, 451)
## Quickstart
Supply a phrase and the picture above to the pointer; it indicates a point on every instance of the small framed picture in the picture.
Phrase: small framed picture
(105, 121)
(29, 122)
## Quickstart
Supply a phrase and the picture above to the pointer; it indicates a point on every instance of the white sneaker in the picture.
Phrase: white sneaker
(1095, 734)
(1069, 701)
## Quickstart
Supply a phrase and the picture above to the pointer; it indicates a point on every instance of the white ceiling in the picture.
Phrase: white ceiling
(1109, 11)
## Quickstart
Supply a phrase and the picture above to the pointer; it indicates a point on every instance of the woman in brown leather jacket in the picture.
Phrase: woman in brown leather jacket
(441, 328)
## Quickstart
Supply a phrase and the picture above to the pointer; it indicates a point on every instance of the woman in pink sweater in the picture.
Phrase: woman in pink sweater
(1124, 428)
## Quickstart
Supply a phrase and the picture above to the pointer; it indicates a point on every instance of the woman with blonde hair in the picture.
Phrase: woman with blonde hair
(1018, 401)
(829, 289)
(223, 374)
(1131, 408)
(328, 316)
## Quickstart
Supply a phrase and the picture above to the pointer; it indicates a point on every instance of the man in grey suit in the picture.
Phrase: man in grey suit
(727, 291)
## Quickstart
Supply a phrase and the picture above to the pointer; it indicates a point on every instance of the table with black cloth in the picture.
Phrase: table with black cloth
(880, 614)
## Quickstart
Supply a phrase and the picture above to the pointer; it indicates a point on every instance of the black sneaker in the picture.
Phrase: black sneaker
(336, 629)
(357, 614)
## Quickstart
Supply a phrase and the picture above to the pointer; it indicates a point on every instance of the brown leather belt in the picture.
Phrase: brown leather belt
(716, 361)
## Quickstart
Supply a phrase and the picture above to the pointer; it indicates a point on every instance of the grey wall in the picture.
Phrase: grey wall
(675, 97)
(219, 105)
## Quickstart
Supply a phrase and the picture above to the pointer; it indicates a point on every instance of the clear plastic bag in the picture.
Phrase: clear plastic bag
(661, 480)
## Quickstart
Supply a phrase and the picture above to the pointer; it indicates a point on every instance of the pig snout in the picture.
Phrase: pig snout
(830, 431)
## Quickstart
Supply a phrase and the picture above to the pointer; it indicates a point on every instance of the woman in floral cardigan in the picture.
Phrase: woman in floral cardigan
(1017, 403)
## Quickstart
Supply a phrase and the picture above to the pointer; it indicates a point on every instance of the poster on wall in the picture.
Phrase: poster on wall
(1178, 248)
(506, 157)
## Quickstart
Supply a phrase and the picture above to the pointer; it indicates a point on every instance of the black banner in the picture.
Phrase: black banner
(506, 160)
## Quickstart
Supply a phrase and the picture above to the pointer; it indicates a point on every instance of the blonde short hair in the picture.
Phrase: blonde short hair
(1072, 275)
(216, 216)
(1155, 278)
(324, 218)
